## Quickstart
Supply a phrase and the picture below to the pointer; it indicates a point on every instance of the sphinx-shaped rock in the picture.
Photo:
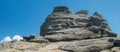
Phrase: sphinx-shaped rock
(63, 25)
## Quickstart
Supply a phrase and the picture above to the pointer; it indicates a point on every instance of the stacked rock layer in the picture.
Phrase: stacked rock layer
(64, 31)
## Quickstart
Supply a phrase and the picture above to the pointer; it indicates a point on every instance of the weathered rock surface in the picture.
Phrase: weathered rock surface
(90, 45)
(20, 46)
(64, 31)
(62, 24)
(86, 45)
(72, 34)
(30, 47)
(61, 20)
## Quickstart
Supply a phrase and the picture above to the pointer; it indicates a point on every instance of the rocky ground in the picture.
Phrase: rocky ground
(106, 44)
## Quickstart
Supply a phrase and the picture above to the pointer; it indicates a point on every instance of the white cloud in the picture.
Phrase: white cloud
(6, 39)
(17, 37)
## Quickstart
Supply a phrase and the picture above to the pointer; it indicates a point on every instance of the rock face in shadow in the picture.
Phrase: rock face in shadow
(62, 24)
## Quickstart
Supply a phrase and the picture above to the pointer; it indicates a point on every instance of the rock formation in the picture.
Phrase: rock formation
(62, 24)
(64, 31)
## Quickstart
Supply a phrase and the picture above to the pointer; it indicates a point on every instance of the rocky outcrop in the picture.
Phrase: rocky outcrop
(62, 24)
(64, 31)
(83, 33)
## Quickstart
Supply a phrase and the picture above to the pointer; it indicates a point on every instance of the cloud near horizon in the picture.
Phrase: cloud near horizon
(8, 38)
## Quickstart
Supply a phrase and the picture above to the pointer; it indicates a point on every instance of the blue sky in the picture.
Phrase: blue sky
(24, 17)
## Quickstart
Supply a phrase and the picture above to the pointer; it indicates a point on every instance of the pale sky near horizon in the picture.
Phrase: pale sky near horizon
(24, 17)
